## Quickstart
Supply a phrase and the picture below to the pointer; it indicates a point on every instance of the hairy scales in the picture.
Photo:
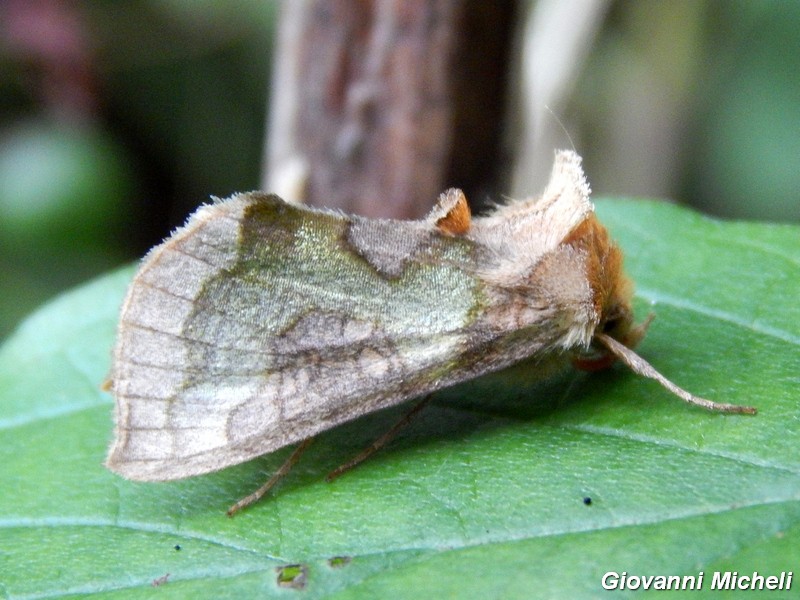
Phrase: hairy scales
(261, 323)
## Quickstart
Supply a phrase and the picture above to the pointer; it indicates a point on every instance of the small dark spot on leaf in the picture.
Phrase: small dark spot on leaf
(177, 546)
(587, 501)
(338, 562)
(292, 576)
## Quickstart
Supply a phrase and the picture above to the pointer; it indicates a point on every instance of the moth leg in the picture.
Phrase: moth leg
(272, 481)
(380, 442)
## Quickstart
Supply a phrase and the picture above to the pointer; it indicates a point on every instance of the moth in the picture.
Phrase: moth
(261, 323)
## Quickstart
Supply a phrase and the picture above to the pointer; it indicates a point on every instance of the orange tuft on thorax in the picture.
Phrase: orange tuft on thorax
(457, 220)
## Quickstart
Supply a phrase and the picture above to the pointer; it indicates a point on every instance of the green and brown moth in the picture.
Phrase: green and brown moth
(262, 323)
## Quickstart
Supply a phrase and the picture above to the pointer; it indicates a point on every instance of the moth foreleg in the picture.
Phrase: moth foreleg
(380, 442)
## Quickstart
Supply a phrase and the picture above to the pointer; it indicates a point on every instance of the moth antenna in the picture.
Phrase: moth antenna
(560, 124)
(641, 367)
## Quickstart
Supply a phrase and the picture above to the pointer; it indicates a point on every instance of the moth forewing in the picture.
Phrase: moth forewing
(261, 323)
(235, 343)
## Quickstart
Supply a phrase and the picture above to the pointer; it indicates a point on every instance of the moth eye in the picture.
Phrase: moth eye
(610, 324)
(615, 325)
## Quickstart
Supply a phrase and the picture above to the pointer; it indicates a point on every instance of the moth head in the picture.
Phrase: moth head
(618, 324)
(615, 334)
(611, 294)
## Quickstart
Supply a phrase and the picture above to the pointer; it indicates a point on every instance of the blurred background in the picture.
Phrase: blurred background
(117, 118)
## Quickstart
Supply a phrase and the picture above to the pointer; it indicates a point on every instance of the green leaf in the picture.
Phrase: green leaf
(501, 488)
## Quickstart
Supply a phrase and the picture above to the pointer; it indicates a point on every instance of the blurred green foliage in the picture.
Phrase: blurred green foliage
(696, 101)
(118, 118)
(64, 193)
(747, 120)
